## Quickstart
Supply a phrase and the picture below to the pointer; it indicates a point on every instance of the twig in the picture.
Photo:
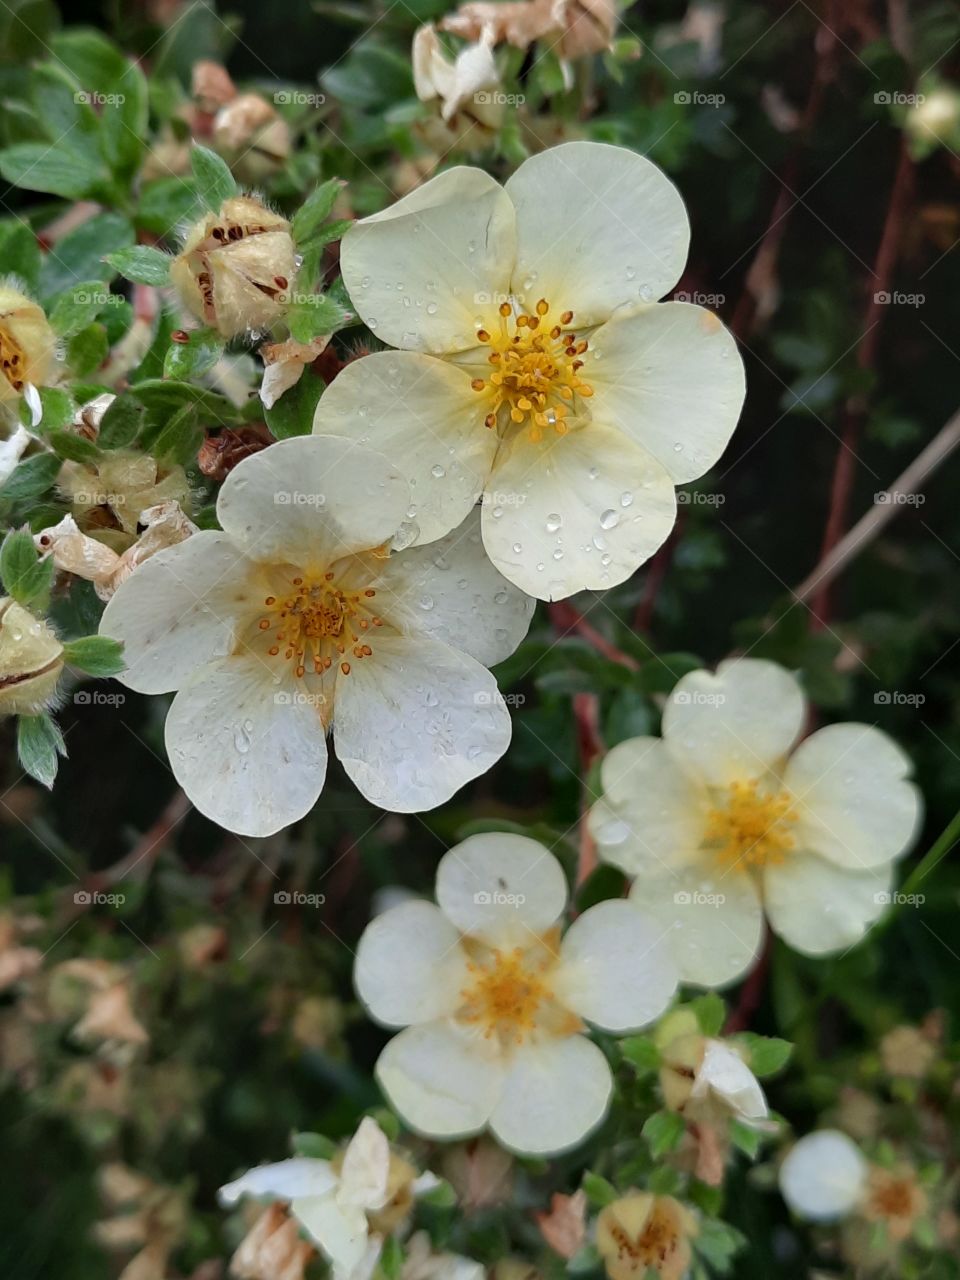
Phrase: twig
(566, 619)
(751, 993)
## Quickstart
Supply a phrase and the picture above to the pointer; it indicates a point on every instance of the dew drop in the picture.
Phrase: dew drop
(609, 520)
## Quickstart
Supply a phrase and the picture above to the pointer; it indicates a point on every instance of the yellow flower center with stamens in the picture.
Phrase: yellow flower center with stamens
(750, 826)
(510, 996)
(12, 359)
(535, 372)
(311, 621)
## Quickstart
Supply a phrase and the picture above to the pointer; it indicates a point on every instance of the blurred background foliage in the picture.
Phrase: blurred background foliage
(809, 196)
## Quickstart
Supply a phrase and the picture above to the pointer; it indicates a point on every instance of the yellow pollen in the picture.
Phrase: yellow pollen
(312, 616)
(750, 826)
(536, 372)
(506, 994)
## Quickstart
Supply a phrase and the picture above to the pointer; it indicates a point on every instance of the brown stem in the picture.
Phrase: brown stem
(751, 993)
(566, 618)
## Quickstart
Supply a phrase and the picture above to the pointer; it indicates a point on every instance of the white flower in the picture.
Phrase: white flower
(469, 83)
(422, 1263)
(331, 1205)
(296, 619)
(724, 1076)
(491, 999)
(824, 1176)
(722, 821)
(535, 367)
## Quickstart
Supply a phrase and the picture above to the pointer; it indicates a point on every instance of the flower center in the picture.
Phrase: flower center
(535, 370)
(657, 1242)
(750, 827)
(510, 996)
(12, 359)
(312, 620)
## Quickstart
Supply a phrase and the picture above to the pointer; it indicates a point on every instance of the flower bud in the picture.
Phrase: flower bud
(254, 139)
(109, 498)
(236, 267)
(28, 350)
(31, 660)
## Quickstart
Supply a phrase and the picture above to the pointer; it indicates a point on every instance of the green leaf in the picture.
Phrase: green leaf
(39, 744)
(30, 478)
(87, 350)
(121, 423)
(124, 122)
(392, 1257)
(19, 252)
(641, 1053)
(711, 1013)
(332, 231)
(766, 1055)
(181, 437)
(58, 169)
(598, 1190)
(166, 203)
(74, 309)
(441, 1196)
(315, 210)
(92, 59)
(292, 415)
(141, 263)
(195, 357)
(79, 255)
(67, 444)
(313, 1145)
(25, 576)
(312, 314)
(663, 1131)
(57, 406)
(97, 655)
(215, 182)
(744, 1138)
(64, 109)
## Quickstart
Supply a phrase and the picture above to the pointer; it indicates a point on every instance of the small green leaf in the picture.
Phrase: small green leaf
(327, 234)
(313, 314)
(215, 182)
(744, 1138)
(313, 1145)
(39, 744)
(87, 350)
(32, 477)
(19, 252)
(711, 1013)
(121, 423)
(57, 408)
(292, 415)
(598, 1190)
(97, 655)
(441, 1196)
(766, 1055)
(197, 356)
(124, 121)
(80, 254)
(641, 1053)
(663, 1131)
(25, 576)
(181, 437)
(77, 307)
(167, 202)
(67, 444)
(392, 1257)
(315, 210)
(55, 168)
(141, 263)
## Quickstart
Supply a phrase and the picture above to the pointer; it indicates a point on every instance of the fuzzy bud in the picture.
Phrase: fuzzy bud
(236, 267)
(31, 660)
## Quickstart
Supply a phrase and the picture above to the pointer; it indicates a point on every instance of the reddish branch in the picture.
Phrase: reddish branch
(566, 618)
(751, 993)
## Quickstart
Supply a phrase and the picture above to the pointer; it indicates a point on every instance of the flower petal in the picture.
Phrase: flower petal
(554, 1094)
(365, 1171)
(424, 413)
(301, 1176)
(426, 273)
(417, 721)
(856, 805)
(715, 923)
(575, 512)
(616, 969)
(818, 907)
(823, 1176)
(247, 755)
(650, 810)
(177, 611)
(443, 1081)
(619, 234)
(736, 724)
(500, 887)
(409, 966)
(670, 377)
(340, 1230)
(312, 499)
(451, 591)
(725, 1074)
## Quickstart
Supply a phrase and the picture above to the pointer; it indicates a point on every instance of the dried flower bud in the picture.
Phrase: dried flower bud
(272, 1249)
(236, 267)
(28, 350)
(252, 136)
(641, 1233)
(907, 1052)
(31, 660)
(115, 493)
(211, 85)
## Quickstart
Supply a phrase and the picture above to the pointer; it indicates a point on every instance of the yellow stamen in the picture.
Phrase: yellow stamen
(750, 826)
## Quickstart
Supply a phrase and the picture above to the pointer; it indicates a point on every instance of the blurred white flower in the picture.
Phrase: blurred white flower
(297, 619)
(491, 997)
(722, 821)
(823, 1176)
(535, 366)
